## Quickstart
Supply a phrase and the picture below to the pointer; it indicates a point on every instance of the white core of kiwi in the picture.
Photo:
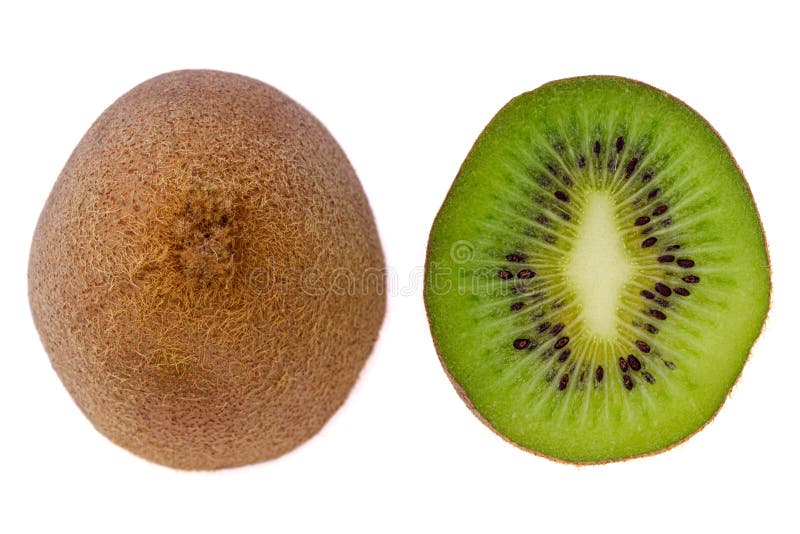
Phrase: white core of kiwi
(598, 266)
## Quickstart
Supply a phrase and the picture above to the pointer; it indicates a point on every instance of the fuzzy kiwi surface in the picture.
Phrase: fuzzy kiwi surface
(597, 275)
(206, 274)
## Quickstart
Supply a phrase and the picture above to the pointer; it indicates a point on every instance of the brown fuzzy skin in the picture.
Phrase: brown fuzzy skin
(206, 275)
(468, 401)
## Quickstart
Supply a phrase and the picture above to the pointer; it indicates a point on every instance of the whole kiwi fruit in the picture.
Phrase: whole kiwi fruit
(206, 275)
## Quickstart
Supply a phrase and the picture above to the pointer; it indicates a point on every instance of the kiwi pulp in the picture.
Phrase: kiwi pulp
(598, 273)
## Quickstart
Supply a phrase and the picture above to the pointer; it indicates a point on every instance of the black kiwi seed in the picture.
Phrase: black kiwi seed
(634, 362)
(516, 257)
(564, 355)
(623, 364)
(642, 346)
(562, 384)
(542, 327)
(521, 343)
(691, 279)
(662, 302)
(562, 342)
(647, 176)
(598, 373)
(525, 274)
(557, 329)
(641, 221)
(597, 147)
(685, 263)
(659, 210)
(620, 144)
(653, 193)
(581, 161)
(647, 294)
(626, 380)
(650, 328)
(647, 376)
(562, 196)
(658, 314)
(505, 275)
(649, 242)
(682, 291)
(517, 306)
(666, 258)
(630, 167)
(662, 289)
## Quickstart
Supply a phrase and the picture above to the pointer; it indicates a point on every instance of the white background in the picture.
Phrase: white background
(405, 87)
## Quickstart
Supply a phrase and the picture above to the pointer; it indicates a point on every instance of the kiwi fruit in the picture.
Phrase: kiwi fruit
(597, 274)
(206, 274)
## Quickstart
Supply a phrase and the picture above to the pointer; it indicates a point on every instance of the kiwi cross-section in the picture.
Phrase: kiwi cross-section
(597, 275)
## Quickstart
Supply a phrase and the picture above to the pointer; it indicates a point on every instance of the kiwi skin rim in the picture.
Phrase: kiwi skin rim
(463, 394)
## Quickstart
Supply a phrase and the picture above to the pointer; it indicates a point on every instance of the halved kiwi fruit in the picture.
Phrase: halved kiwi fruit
(598, 273)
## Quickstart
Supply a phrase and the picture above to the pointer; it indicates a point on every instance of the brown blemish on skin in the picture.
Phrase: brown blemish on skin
(206, 234)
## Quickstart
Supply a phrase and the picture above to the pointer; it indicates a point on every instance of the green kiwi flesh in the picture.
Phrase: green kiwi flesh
(597, 275)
